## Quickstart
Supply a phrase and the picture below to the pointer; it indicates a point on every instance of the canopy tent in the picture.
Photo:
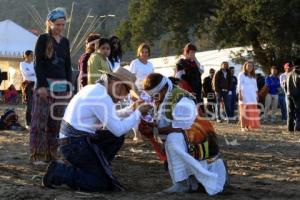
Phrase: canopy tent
(14, 40)
(208, 59)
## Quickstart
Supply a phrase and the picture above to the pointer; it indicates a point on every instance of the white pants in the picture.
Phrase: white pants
(182, 165)
(271, 103)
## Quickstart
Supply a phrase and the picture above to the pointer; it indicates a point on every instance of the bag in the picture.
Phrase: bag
(9, 120)
(202, 141)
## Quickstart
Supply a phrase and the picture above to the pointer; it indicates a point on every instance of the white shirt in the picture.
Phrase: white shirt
(248, 87)
(117, 64)
(282, 79)
(92, 109)
(27, 70)
(141, 71)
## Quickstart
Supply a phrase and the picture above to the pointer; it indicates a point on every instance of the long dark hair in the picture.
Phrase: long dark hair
(115, 54)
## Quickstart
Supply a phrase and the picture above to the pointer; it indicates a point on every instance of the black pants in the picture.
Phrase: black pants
(29, 98)
(293, 121)
(85, 172)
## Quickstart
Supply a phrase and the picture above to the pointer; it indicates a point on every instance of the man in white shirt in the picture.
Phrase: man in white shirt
(176, 113)
(29, 79)
(92, 133)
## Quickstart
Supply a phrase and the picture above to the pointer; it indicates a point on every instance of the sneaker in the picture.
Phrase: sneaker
(46, 182)
(219, 121)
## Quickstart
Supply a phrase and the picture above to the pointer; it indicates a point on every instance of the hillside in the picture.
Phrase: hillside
(21, 12)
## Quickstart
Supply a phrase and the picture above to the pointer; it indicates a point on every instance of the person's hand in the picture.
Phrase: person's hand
(145, 108)
(42, 92)
(136, 104)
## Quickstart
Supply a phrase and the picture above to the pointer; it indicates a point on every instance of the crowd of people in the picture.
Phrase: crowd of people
(89, 130)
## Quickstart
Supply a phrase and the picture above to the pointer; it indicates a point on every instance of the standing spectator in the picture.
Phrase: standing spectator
(190, 70)
(292, 89)
(271, 101)
(116, 52)
(288, 67)
(209, 93)
(232, 95)
(248, 95)
(222, 84)
(29, 79)
(53, 87)
(99, 61)
(260, 81)
(141, 68)
(83, 60)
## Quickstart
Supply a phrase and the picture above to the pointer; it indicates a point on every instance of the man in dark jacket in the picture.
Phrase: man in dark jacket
(222, 84)
(209, 93)
(292, 89)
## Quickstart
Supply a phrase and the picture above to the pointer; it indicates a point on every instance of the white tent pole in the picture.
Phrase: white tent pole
(92, 25)
(71, 17)
(34, 19)
(39, 17)
(75, 39)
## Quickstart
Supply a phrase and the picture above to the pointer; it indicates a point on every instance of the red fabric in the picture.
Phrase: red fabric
(159, 150)
(184, 85)
(82, 67)
(250, 117)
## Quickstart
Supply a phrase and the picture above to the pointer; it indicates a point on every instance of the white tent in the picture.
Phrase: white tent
(209, 59)
(14, 40)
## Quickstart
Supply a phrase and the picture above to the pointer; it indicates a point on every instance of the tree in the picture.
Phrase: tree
(271, 27)
(150, 20)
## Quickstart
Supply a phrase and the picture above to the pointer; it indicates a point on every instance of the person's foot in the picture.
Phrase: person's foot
(47, 179)
(179, 187)
(219, 121)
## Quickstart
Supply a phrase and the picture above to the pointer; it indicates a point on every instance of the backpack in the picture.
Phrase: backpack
(9, 120)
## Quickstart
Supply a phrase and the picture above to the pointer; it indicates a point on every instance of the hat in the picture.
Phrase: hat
(123, 74)
(57, 13)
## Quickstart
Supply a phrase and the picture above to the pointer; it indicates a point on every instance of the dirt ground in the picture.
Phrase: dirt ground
(262, 165)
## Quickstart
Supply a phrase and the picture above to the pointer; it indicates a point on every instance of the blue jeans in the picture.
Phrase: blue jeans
(232, 102)
(222, 96)
(283, 106)
(85, 172)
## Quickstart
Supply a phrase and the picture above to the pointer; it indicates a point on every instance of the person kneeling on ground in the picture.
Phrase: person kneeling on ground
(92, 132)
(176, 127)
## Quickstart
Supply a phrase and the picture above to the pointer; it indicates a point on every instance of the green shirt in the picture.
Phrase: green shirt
(96, 62)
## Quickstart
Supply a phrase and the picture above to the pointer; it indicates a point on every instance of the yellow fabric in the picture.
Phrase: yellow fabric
(96, 62)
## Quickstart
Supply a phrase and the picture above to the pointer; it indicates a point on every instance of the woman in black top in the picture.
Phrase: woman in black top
(53, 87)
(116, 52)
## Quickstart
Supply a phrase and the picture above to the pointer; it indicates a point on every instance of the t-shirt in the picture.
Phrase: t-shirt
(96, 62)
(92, 109)
(141, 71)
(273, 83)
(27, 71)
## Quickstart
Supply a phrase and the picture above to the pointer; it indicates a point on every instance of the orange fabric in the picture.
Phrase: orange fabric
(199, 131)
(249, 116)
